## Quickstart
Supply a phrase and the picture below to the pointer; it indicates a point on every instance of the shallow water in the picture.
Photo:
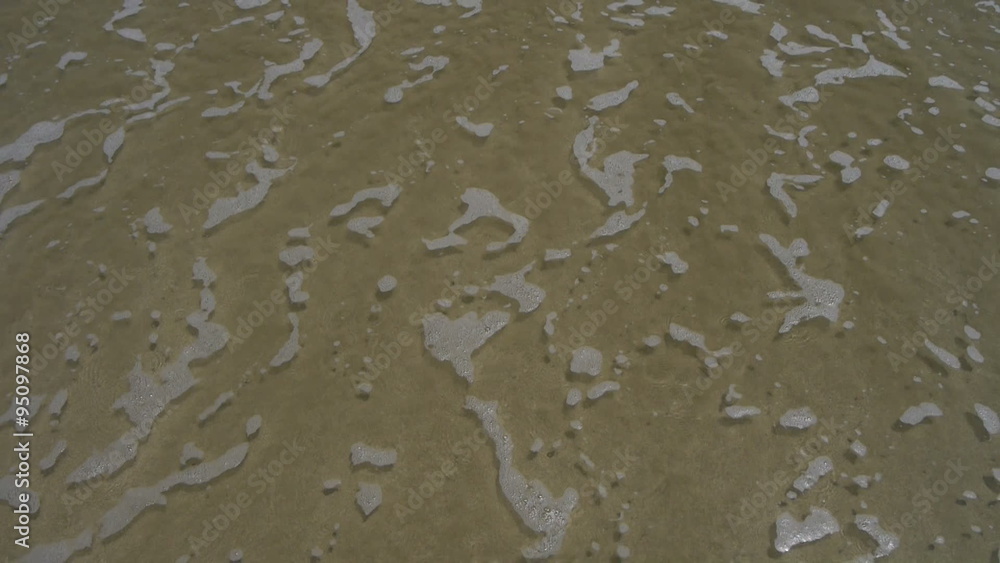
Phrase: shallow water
(792, 204)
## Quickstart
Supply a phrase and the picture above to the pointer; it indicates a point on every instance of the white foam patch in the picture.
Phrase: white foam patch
(224, 111)
(72, 56)
(296, 255)
(565, 92)
(556, 254)
(799, 419)
(817, 469)
(672, 259)
(770, 61)
(573, 397)
(59, 552)
(132, 33)
(275, 72)
(368, 497)
(916, 415)
(191, 453)
(790, 533)
(946, 357)
(871, 69)
(676, 99)
(532, 501)
(944, 82)
(617, 178)
(11, 214)
(776, 185)
(386, 195)
(850, 173)
(618, 221)
(823, 297)
(896, 162)
(49, 461)
(481, 203)
(291, 346)
(889, 30)
(612, 99)
(808, 94)
(294, 285)
(740, 412)
(154, 222)
(251, 4)
(989, 418)
(586, 360)
(454, 341)
(887, 542)
(602, 388)
(224, 208)
(8, 181)
(745, 5)
(394, 94)
(386, 284)
(137, 500)
(147, 398)
(253, 425)
(481, 130)
(40, 133)
(362, 23)
(362, 453)
(364, 225)
(528, 295)
(675, 163)
(583, 60)
(114, 143)
(222, 400)
(69, 192)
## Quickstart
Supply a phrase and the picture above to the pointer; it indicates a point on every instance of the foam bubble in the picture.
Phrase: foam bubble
(944, 82)
(368, 497)
(614, 98)
(586, 360)
(800, 418)
(673, 164)
(362, 453)
(989, 418)
(532, 501)
(481, 203)
(790, 533)
(916, 415)
(454, 341)
(291, 346)
(528, 295)
(618, 221)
